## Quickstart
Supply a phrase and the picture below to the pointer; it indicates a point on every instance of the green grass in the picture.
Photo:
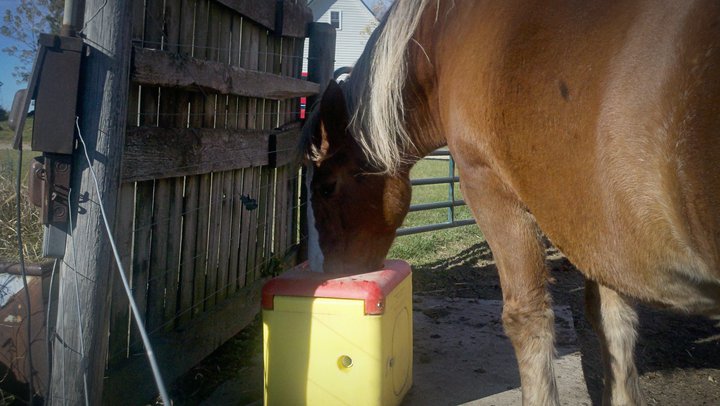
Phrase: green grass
(7, 135)
(434, 246)
(32, 230)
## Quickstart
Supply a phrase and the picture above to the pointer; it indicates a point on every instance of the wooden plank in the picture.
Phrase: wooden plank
(221, 112)
(283, 144)
(154, 34)
(225, 233)
(235, 39)
(274, 114)
(173, 253)
(214, 225)
(286, 56)
(295, 186)
(208, 117)
(133, 104)
(245, 43)
(187, 20)
(149, 98)
(178, 351)
(291, 172)
(173, 113)
(264, 220)
(138, 22)
(172, 19)
(279, 242)
(236, 210)
(190, 223)
(245, 228)
(190, 151)
(213, 28)
(201, 250)
(263, 52)
(158, 257)
(225, 34)
(161, 272)
(232, 121)
(252, 230)
(255, 35)
(238, 260)
(276, 54)
(202, 15)
(120, 305)
(265, 199)
(187, 265)
(141, 254)
(295, 15)
(260, 11)
(298, 50)
(160, 68)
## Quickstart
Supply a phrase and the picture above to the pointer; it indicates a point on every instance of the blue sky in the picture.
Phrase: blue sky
(7, 64)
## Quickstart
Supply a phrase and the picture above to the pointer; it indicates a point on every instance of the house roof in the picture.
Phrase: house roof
(330, 3)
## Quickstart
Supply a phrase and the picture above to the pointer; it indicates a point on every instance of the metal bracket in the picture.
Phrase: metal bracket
(49, 189)
(57, 190)
(49, 186)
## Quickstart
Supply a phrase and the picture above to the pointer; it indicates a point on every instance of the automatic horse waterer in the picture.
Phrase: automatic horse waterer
(338, 339)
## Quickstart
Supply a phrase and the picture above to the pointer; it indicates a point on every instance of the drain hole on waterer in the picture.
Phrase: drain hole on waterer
(345, 361)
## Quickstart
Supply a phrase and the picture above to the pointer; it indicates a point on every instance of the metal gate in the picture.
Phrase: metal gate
(450, 204)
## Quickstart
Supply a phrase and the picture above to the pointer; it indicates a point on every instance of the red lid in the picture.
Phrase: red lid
(372, 287)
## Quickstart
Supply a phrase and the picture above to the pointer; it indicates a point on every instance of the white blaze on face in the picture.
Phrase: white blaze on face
(315, 255)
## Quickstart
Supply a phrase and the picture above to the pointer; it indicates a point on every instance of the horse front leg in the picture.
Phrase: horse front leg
(615, 321)
(513, 236)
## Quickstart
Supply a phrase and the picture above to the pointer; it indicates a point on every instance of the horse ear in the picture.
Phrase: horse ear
(332, 124)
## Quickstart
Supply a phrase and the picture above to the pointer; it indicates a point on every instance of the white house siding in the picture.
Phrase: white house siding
(353, 33)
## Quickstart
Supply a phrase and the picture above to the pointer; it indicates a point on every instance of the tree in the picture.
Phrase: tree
(378, 8)
(24, 25)
(3, 114)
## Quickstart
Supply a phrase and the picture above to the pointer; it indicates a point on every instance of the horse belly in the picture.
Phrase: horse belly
(620, 169)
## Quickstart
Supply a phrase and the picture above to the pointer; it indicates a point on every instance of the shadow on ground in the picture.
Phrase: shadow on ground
(678, 356)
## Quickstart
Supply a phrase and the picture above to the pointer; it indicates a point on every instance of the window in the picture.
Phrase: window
(335, 20)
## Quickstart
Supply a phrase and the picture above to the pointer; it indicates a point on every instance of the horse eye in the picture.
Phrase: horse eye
(327, 189)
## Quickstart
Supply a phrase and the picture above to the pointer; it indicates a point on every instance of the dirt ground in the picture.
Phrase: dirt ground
(678, 356)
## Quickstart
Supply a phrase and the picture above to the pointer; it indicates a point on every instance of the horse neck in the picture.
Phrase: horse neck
(411, 90)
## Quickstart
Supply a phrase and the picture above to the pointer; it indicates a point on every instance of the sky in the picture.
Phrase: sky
(7, 63)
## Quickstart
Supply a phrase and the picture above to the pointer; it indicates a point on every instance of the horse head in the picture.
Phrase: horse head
(353, 209)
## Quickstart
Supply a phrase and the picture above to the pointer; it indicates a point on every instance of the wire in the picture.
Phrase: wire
(121, 270)
(21, 254)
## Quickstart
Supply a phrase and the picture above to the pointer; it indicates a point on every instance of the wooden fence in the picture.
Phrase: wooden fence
(208, 205)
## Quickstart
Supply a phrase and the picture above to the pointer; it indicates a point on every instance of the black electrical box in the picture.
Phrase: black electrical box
(56, 93)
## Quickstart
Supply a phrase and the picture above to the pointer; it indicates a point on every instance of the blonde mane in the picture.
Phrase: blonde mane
(375, 88)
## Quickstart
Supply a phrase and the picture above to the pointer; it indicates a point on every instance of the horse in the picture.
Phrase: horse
(593, 123)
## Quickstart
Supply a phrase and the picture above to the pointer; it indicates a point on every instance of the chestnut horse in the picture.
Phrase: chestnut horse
(596, 123)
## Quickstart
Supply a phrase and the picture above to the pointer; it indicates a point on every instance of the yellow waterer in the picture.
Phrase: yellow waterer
(338, 339)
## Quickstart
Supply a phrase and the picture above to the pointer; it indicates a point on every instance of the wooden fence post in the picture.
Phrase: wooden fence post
(85, 274)
(321, 62)
(321, 55)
